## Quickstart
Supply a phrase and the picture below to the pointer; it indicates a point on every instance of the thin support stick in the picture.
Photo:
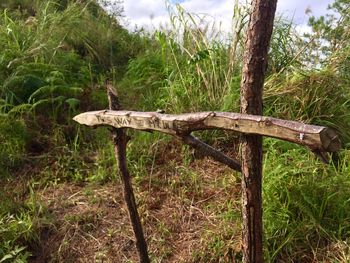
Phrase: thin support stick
(120, 140)
(210, 151)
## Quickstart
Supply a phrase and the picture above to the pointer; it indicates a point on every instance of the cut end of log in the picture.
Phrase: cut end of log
(79, 119)
(89, 120)
(330, 140)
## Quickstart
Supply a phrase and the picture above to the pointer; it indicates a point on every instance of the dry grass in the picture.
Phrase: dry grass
(185, 211)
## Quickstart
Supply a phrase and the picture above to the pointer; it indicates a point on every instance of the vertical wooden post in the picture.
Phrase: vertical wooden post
(254, 66)
(120, 140)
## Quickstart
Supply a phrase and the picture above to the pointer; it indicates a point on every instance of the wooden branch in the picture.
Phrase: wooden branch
(315, 137)
(210, 151)
(120, 140)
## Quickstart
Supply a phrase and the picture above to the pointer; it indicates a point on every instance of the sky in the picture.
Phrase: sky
(151, 13)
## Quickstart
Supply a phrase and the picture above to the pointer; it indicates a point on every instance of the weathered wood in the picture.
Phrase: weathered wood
(210, 151)
(120, 140)
(315, 137)
(254, 66)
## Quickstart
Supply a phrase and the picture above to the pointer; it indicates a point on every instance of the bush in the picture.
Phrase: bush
(13, 137)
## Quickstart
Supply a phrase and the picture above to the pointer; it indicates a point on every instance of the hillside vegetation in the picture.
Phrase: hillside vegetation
(60, 195)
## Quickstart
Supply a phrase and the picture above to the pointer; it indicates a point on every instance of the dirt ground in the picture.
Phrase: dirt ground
(189, 214)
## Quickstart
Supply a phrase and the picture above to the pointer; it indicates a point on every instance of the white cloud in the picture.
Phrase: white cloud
(150, 14)
(221, 11)
(297, 9)
(145, 13)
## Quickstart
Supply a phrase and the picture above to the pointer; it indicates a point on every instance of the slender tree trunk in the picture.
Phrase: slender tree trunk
(254, 67)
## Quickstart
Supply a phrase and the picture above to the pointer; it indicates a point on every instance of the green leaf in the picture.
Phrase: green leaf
(49, 91)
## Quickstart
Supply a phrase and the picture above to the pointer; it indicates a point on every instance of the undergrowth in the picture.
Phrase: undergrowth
(306, 205)
(51, 68)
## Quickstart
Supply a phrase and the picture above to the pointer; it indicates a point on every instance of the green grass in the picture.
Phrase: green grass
(51, 68)
(306, 203)
(20, 224)
(13, 137)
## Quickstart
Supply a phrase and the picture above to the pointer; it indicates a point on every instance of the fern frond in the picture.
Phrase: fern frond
(55, 91)
(20, 109)
(48, 102)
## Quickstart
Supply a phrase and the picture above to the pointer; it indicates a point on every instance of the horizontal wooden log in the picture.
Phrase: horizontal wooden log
(317, 138)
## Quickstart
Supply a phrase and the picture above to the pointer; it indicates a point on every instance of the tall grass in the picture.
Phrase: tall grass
(13, 137)
(306, 205)
(52, 67)
(318, 97)
(50, 60)
(34, 71)
(192, 68)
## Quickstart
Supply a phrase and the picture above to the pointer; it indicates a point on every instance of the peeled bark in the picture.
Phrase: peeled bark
(317, 138)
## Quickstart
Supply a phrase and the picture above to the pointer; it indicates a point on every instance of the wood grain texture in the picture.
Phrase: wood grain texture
(315, 137)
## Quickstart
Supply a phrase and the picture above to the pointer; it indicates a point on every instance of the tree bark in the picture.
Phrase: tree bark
(254, 66)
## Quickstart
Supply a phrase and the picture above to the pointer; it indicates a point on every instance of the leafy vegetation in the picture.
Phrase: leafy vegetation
(56, 176)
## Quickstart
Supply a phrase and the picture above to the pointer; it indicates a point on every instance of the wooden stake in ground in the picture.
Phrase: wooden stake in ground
(120, 140)
(254, 66)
